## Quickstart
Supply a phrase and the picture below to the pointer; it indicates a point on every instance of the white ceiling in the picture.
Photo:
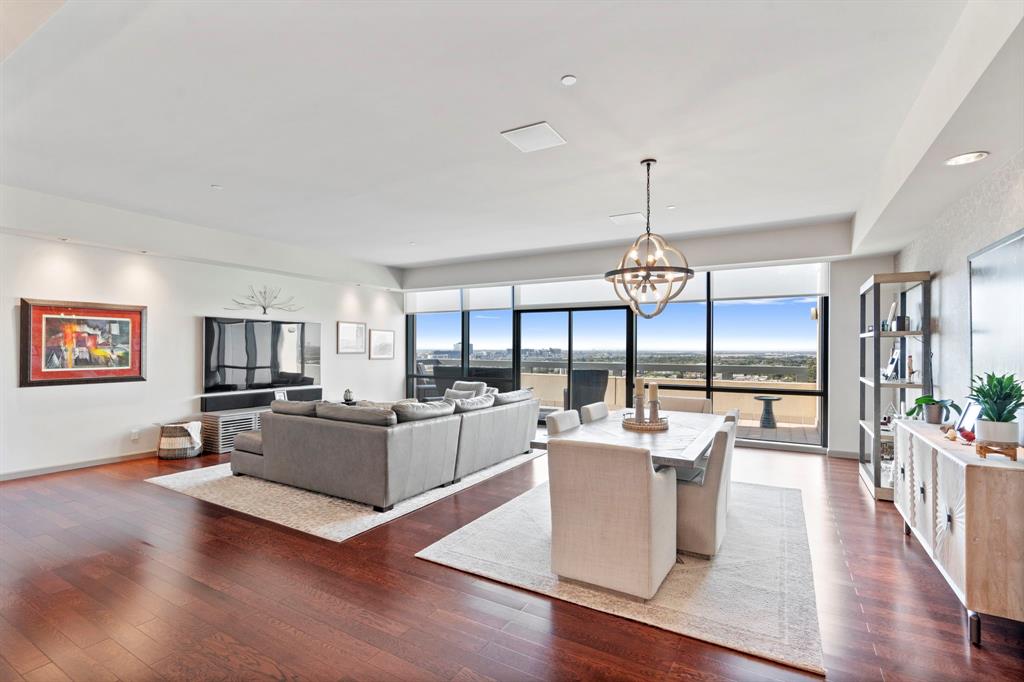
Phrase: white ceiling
(360, 127)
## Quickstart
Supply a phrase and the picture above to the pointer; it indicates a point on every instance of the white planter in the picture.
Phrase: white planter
(996, 432)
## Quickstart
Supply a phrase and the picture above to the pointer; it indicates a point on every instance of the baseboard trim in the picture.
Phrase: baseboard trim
(42, 471)
(843, 454)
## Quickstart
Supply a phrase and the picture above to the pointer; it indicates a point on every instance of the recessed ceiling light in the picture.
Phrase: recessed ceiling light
(628, 219)
(568, 79)
(64, 239)
(671, 207)
(143, 252)
(534, 137)
(964, 159)
(412, 243)
(216, 188)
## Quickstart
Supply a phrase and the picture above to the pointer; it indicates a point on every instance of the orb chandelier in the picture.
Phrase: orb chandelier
(652, 272)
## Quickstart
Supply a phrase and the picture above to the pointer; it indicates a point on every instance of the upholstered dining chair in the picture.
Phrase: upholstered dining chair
(562, 421)
(593, 412)
(613, 518)
(681, 404)
(702, 509)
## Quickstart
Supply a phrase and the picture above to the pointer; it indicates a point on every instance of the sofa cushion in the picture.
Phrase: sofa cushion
(375, 416)
(491, 389)
(513, 396)
(470, 404)
(458, 395)
(250, 441)
(478, 387)
(411, 412)
(301, 408)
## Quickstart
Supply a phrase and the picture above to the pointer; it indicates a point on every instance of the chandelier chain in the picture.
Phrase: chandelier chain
(648, 197)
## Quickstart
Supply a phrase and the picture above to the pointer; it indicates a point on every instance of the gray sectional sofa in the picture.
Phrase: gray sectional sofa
(380, 454)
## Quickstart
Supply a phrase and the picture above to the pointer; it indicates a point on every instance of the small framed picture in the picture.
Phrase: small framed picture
(280, 395)
(351, 337)
(969, 417)
(382, 344)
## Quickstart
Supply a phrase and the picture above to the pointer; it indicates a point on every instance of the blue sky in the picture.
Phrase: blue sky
(777, 324)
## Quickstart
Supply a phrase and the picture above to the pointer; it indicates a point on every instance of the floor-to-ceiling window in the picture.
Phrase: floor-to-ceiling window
(751, 340)
(767, 353)
(490, 347)
(436, 340)
(544, 355)
(599, 347)
(671, 349)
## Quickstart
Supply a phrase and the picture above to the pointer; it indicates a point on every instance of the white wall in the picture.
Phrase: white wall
(58, 426)
(845, 278)
(991, 210)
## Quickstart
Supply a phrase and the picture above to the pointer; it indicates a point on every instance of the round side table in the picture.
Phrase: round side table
(767, 412)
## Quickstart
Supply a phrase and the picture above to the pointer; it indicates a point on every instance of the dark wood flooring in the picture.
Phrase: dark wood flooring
(106, 577)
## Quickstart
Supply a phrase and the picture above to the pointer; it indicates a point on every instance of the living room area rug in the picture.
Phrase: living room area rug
(756, 595)
(328, 517)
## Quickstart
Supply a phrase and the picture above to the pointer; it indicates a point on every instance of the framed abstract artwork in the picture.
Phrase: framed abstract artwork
(64, 342)
(382, 344)
(351, 337)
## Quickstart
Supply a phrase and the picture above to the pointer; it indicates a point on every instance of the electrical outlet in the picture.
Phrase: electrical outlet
(135, 434)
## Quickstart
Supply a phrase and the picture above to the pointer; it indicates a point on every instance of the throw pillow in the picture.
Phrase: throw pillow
(470, 404)
(374, 416)
(478, 387)
(491, 389)
(458, 395)
(414, 411)
(301, 408)
(513, 396)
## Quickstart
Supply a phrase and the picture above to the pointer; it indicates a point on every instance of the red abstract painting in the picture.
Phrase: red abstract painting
(68, 343)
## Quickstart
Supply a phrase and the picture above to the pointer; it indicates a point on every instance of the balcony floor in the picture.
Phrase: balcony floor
(784, 433)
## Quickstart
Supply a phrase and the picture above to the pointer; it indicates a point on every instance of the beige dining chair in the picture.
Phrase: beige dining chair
(702, 509)
(681, 404)
(593, 412)
(613, 518)
(562, 421)
(733, 416)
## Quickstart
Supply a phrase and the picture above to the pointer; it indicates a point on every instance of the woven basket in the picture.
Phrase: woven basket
(176, 443)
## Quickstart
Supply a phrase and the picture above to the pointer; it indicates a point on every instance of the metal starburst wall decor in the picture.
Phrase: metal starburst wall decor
(265, 299)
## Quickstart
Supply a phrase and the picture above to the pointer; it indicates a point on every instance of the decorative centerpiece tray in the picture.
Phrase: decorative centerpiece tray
(645, 426)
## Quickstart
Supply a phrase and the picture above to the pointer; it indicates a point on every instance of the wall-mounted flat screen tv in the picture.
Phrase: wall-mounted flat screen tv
(246, 355)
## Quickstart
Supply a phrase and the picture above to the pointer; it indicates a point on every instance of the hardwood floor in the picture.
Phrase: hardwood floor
(106, 577)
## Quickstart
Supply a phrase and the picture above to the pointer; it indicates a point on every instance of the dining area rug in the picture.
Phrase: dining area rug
(756, 595)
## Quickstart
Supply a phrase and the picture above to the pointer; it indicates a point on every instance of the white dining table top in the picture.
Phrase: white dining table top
(688, 438)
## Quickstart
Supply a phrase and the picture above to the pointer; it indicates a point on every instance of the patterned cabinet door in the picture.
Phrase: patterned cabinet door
(902, 495)
(923, 490)
(951, 518)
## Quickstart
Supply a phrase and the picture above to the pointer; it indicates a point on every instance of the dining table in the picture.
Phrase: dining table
(684, 446)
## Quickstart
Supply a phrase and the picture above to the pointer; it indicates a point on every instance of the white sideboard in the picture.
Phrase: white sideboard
(968, 514)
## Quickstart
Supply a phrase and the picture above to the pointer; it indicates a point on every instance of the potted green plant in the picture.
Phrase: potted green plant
(999, 396)
(935, 411)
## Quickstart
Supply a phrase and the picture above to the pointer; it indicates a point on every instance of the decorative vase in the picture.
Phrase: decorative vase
(933, 414)
(996, 432)
(348, 395)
